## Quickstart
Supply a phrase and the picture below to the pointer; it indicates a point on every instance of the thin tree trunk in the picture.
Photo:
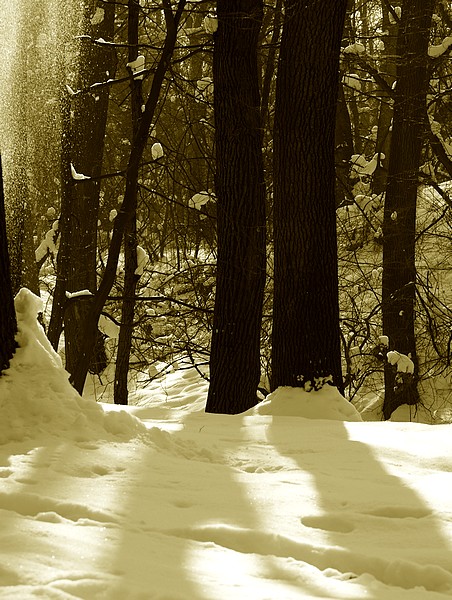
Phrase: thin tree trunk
(240, 189)
(306, 335)
(8, 325)
(127, 209)
(121, 392)
(383, 143)
(399, 224)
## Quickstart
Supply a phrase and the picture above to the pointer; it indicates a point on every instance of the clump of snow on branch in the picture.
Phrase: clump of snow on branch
(398, 12)
(404, 363)
(362, 167)
(142, 260)
(78, 294)
(108, 327)
(137, 66)
(78, 176)
(352, 81)
(199, 199)
(326, 403)
(157, 150)
(435, 51)
(112, 215)
(98, 16)
(48, 244)
(210, 24)
(355, 48)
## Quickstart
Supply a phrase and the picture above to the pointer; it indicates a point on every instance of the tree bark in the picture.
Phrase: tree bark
(399, 224)
(383, 143)
(127, 209)
(8, 325)
(84, 123)
(306, 335)
(240, 190)
(121, 391)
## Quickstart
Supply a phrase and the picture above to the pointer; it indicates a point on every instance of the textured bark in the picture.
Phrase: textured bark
(306, 336)
(8, 325)
(83, 145)
(87, 139)
(127, 208)
(240, 190)
(344, 147)
(399, 225)
(383, 143)
(121, 391)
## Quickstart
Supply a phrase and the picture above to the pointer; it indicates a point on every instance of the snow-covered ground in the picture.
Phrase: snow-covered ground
(295, 499)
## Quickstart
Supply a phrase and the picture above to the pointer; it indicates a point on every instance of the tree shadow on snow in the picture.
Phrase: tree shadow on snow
(367, 520)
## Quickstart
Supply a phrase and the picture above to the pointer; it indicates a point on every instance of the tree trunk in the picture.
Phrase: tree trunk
(306, 335)
(240, 190)
(128, 207)
(87, 140)
(8, 325)
(399, 224)
(344, 148)
(383, 143)
(84, 123)
(121, 391)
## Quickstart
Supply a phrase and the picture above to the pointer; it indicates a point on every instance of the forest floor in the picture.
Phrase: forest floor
(295, 499)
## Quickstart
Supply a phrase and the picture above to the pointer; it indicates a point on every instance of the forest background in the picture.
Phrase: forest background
(261, 187)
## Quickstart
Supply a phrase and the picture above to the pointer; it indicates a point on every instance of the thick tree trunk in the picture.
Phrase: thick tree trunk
(399, 225)
(84, 123)
(8, 325)
(87, 140)
(306, 335)
(240, 189)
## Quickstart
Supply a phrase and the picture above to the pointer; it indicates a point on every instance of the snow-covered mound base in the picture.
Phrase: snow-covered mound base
(36, 396)
(326, 403)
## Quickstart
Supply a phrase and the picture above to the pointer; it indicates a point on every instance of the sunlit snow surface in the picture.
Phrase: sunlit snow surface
(165, 502)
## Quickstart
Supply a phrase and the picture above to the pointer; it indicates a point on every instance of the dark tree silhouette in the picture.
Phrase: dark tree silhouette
(240, 189)
(8, 325)
(306, 335)
(399, 224)
(84, 123)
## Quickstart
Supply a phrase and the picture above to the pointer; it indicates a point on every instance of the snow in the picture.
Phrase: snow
(142, 260)
(326, 403)
(199, 199)
(48, 245)
(78, 293)
(210, 24)
(363, 167)
(352, 80)
(78, 176)
(440, 49)
(156, 150)
(159, 500)
(403, 362)
(355, 48)
(137, 66)
(98, 16)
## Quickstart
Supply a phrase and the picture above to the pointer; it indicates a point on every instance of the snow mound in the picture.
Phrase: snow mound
(326, 403)
(36, 396)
